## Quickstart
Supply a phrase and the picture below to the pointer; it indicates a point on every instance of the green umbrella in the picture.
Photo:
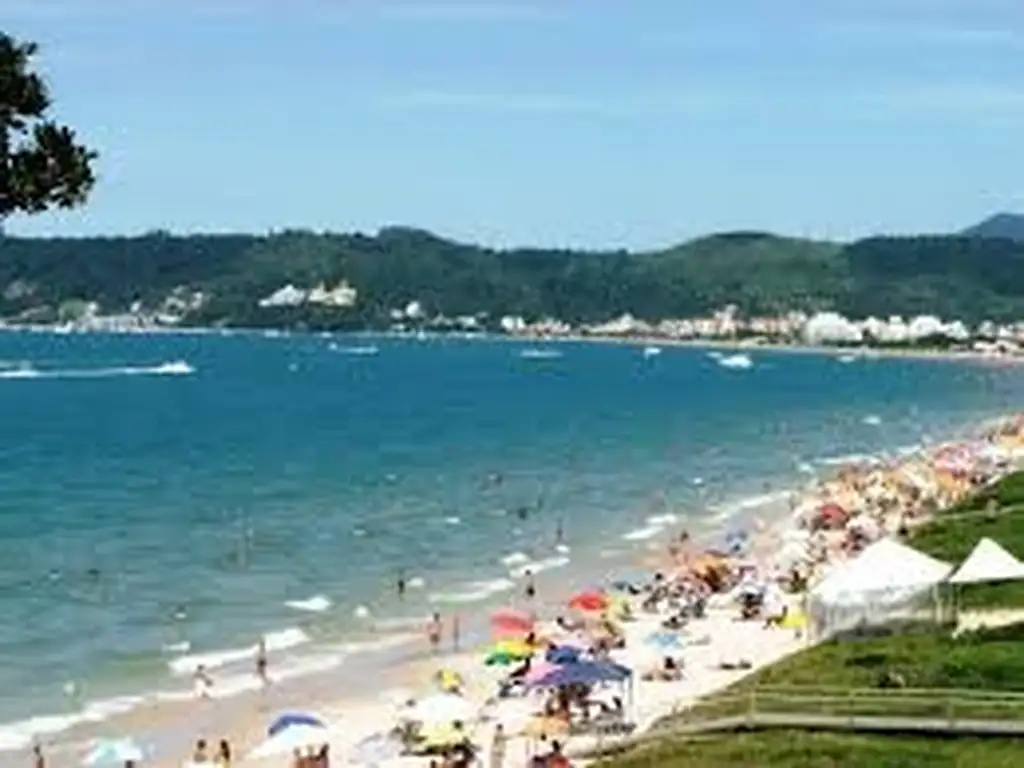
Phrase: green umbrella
(502, 658)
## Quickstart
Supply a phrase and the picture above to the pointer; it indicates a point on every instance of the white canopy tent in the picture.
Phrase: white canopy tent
(988, 562)
(887, 580)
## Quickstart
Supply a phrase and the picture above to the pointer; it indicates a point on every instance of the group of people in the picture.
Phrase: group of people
(202, 756)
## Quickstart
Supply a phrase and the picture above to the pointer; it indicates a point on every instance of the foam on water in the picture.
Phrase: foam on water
(474, 592)
(28, 371)
(315, 604)
(516, 558)
(643, 534)
(275, 641)
(539, 566)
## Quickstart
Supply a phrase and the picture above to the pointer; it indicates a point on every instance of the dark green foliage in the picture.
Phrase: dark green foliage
(972, 279)
(795, 749)
(996, 513)
(42, 166)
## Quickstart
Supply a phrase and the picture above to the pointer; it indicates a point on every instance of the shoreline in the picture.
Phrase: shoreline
(240, 717)
(744, 346)
(714, 344)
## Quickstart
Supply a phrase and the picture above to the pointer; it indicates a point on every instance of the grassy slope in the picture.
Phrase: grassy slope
(992, 660)
(796, 749)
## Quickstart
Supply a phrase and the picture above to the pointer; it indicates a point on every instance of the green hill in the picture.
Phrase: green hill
(1009, 226)
(964, 277)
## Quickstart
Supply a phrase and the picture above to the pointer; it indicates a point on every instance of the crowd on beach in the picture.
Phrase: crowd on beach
(614, 659)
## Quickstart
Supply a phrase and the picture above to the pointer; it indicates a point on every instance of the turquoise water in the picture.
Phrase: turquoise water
(282, 469)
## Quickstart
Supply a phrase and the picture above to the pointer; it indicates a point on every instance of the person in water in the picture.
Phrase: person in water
(262, 663)
(434, 630)
(400, 585)
(530, 590)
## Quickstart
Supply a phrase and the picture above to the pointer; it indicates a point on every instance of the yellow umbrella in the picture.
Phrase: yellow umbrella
(511, 648)
(794, 620)
(441, 736)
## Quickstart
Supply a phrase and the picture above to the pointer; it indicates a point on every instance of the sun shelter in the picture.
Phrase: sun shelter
(988, 562)
(584, 673)
(887, 580)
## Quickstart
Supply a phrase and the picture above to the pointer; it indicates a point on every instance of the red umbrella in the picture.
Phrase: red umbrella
(831, 516)
(507, 621)
(589, 601)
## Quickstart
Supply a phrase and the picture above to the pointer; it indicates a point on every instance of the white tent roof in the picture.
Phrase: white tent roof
(885, 566)
(988, 562)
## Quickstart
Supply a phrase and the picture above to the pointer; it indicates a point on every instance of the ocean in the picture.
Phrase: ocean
(169, 499)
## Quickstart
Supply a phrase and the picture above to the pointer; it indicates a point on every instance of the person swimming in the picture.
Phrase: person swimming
(400, 585)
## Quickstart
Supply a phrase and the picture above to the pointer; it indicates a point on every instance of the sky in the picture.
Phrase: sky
(583, 123)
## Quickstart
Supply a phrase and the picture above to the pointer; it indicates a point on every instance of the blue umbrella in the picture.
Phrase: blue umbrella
(289, 719)
(665, 640)
(562, 655)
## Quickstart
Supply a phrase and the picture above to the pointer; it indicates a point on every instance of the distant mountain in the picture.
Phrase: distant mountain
(1007, 226)
(970, 278)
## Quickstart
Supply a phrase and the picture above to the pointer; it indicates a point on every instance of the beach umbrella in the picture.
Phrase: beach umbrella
(440, 736)
(503, 658)
(589, 601)
(442, 709)
(562, 654)
(293, 737)
(539, 670)
(115, 752)
(664, 641)
(375, 749)
(512, 647)
(508, 621)
(291, 719)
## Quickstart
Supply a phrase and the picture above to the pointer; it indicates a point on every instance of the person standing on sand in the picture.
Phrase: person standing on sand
(434, 630)
(498, 746)
(455, 632)
(202, 682)
(530, 590)
(37, 756)
(262, 663)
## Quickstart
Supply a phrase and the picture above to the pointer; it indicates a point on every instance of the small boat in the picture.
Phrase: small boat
(534, 353)
(652, 351)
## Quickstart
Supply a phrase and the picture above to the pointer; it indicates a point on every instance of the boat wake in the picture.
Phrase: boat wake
(28, 371)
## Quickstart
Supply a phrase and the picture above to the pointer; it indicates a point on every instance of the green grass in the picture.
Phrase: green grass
(977, 675)
(954, 533)
(797, 749)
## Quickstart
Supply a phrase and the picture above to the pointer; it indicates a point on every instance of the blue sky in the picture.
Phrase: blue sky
(561, 122)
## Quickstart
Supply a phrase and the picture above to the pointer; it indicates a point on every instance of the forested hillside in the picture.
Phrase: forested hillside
(956, 277)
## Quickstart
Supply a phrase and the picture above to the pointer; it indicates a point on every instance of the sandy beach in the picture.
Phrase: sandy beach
(827, 521)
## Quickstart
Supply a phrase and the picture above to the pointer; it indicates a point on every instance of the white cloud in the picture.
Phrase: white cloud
(683, 100)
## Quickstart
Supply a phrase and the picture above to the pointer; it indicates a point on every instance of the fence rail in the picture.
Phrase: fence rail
(898, 710)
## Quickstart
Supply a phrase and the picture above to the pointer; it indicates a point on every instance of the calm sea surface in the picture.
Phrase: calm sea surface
(153, 518)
